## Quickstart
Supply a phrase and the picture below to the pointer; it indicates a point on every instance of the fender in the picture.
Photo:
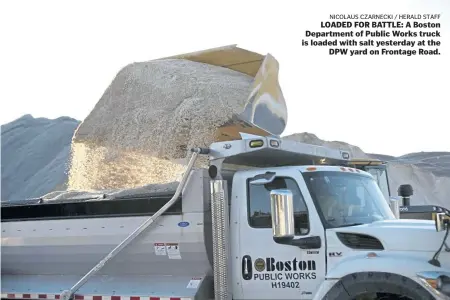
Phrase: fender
(379, 285)
(401, 263)
(396, 266)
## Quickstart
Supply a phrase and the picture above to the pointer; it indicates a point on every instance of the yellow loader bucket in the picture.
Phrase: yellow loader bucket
(265, 112)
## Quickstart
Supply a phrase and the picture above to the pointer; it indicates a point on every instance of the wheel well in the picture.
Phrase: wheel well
(353, 285)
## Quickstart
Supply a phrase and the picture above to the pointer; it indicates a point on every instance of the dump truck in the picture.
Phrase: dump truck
(267, 219)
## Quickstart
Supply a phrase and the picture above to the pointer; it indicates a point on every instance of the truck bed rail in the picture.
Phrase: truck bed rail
(141, 205)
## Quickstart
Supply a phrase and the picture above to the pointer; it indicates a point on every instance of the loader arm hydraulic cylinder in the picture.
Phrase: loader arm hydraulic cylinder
(68, 294)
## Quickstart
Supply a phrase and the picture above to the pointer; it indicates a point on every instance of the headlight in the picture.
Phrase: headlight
(438, 282)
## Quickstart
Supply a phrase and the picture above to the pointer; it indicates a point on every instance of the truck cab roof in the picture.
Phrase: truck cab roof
(266, 152)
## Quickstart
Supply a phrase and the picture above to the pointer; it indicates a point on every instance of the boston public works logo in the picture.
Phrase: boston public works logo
(270, 264)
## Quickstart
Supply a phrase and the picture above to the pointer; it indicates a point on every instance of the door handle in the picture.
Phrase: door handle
(247, 268)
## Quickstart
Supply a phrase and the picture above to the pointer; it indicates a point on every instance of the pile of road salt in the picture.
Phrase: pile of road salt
(142, 128)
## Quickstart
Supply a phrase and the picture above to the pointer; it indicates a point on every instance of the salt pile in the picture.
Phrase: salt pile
(140, 131)
(428, 188)
(34, 153)
(34, 156)
(309, 138)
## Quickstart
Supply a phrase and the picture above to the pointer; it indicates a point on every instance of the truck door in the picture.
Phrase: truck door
(262, 268)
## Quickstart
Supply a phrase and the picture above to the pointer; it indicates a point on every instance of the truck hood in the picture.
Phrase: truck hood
(401, 235)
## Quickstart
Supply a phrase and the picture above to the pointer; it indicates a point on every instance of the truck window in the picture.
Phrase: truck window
(259, 214)
(344, 198)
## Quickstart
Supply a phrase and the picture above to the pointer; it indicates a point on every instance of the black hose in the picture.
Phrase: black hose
(435, 260)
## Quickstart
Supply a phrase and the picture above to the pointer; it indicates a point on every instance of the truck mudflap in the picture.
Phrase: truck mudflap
(108, 287)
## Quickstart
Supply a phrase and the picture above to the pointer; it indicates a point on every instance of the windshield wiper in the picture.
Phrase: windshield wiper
(348, 225)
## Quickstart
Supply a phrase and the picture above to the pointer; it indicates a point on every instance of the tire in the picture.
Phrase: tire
(357, 284)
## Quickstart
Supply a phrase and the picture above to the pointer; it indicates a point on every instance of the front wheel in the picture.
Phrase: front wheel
(377, 286)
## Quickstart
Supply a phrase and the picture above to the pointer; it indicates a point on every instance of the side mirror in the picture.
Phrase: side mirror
(439, 222)
(282, 208)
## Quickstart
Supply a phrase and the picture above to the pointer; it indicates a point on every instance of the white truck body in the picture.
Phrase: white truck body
(218, 242)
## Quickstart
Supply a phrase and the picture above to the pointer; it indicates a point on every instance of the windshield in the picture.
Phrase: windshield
(343, 199)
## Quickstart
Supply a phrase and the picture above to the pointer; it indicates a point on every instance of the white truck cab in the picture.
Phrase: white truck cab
(269, 219)
(341, 225)
(321, 231)
(297, 260)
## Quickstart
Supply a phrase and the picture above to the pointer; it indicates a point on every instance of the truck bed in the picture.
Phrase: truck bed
(49, 244)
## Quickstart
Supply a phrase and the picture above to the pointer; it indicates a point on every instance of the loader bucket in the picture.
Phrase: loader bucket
(134, 136)
(265, 111)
